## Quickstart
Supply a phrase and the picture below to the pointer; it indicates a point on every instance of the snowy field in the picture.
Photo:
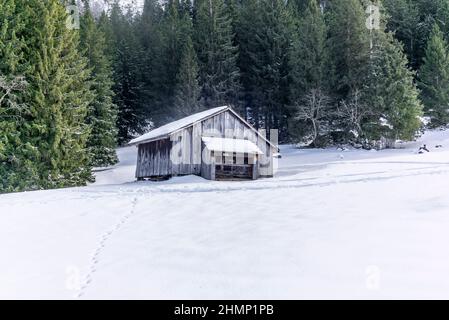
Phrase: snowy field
(331, 224)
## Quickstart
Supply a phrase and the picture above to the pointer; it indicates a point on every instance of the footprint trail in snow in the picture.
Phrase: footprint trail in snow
(97, 253)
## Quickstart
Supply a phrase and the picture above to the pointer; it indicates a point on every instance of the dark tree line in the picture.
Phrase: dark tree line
(311, 69)
(320, 71)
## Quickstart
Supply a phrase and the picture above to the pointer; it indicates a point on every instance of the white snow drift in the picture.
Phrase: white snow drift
(331, 224)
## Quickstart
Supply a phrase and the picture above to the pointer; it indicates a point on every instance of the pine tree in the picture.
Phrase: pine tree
(128, 63)
(249, 21)
(152, 67)
(307, 61)
(187, 91)
(217, 54)
(176, 31)
(390, 99)
(58, 96)
(18, 170)
(233, 8)
(402, 107)
(265, 28)
(348, 45)
(413, 22)
(300, 6)
(404, 21)
(102, 115)
(308, 54)
(434, 79)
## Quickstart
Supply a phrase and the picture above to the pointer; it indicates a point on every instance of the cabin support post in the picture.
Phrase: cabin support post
(255, 174)
(212, 170)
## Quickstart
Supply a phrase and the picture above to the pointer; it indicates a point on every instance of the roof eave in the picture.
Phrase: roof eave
(165, 136)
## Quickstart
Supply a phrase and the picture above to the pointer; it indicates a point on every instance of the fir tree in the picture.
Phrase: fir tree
(217, 54)
(404, 22)
(265, 28)
(348, 45)
(249, 21)
(18, 157)
(413, 22)
(13, 152)
(176, 31)
(308, 56)
(300, 6)
(402, 106)
(307, 61)
(128, 62)
(58, 96)
(187, 91)
(391, 98)
(102, 115)
(434, 79)
(152, 67)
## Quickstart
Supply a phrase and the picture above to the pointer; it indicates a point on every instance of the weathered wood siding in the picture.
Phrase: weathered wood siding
(185, 154)
(153, 159)
(226, 124)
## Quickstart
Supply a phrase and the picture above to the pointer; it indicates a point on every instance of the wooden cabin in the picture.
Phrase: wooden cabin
(216, 144)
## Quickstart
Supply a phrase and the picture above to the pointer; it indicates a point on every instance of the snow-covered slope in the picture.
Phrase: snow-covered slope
(331, 224)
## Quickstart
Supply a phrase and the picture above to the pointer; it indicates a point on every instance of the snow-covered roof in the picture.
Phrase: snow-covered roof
(176, 125)
(231, 145)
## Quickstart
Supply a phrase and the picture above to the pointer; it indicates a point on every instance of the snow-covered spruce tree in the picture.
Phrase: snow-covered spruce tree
(18, 156)
(58, 96)
(307, 60)
(434, 79)
(217, 54)
(102, 114)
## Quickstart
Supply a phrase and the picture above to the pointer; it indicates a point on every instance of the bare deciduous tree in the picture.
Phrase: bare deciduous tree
(314, 108)
(353, 112)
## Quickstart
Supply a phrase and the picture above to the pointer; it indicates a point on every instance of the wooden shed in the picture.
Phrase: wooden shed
(216, 144)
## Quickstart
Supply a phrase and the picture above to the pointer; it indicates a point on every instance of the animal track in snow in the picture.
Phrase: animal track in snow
(101, 245)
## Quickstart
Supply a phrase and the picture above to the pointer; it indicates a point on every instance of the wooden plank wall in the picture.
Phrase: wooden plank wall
(153, 159)
(186, 152)
(228, 125)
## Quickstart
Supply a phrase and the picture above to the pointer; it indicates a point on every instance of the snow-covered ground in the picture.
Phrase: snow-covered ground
(331, 224)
